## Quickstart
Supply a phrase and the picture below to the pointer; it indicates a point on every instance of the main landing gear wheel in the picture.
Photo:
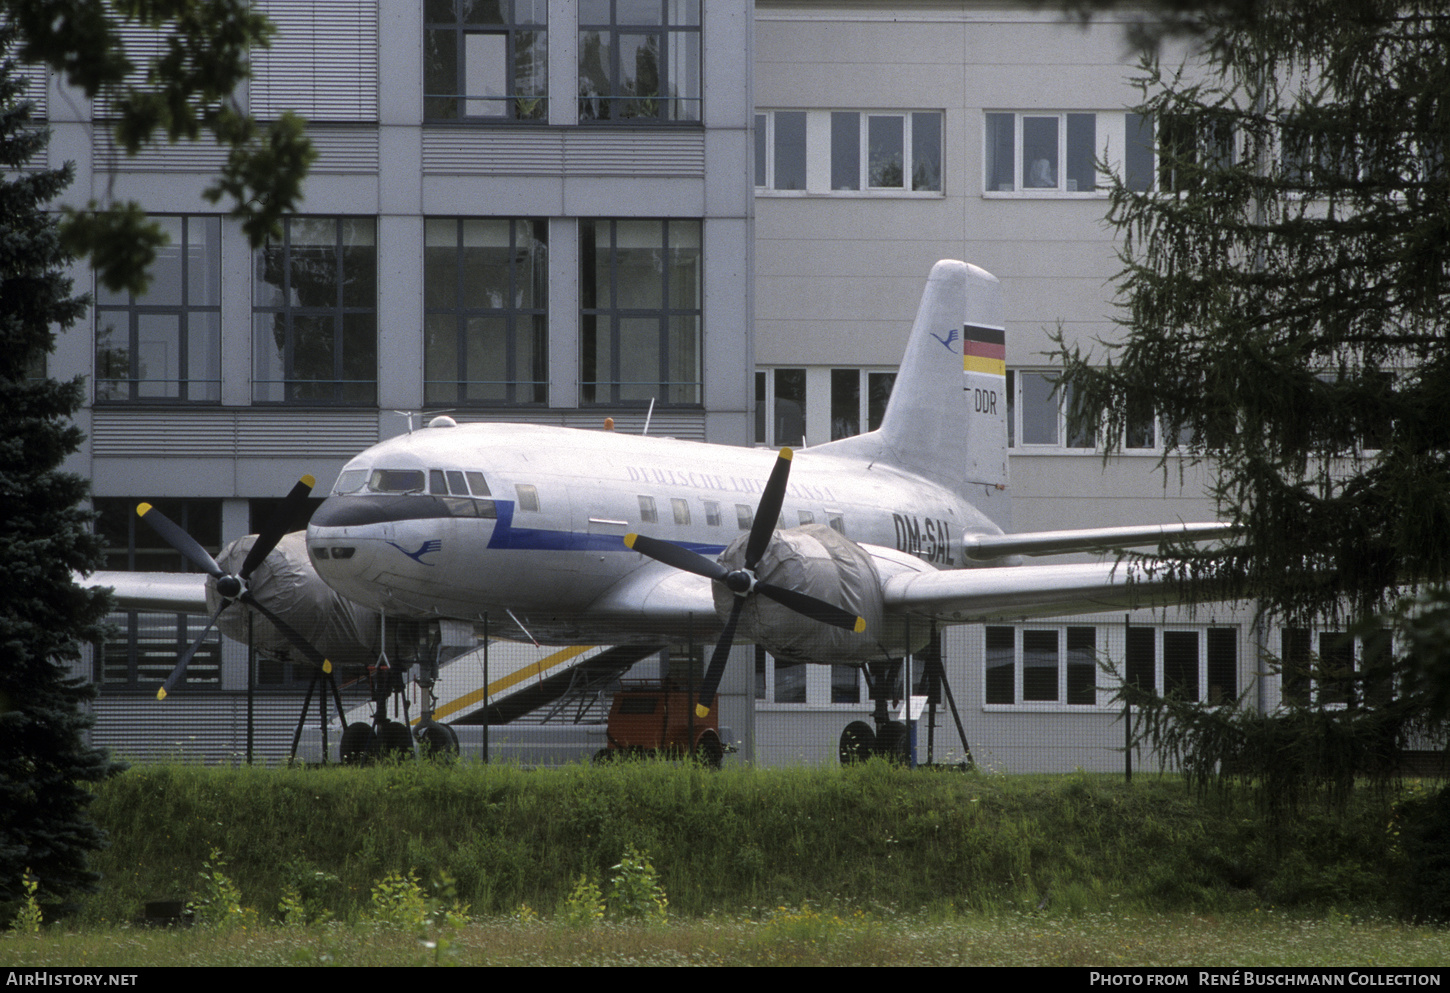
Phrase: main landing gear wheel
(393, 739)
(709, 751)
(894, 742)
(438, 740)
(857, 743)
(356, 739)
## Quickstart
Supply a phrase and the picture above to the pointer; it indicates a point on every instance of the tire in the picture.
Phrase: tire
(357, 739)
(709, 752)
(894, 742)
(438, 741)
(394, 739)
(857, 743)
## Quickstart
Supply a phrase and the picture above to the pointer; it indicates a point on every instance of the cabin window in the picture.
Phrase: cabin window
(647, 512)
(806, 517)
(744, 516)
(682, 511)
(528, 496)
(712, 513)
(835, 521)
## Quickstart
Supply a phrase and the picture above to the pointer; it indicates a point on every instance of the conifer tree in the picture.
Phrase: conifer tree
(1286, 296)
(44, 535)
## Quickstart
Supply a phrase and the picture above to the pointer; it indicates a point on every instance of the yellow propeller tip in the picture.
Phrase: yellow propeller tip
(310, 480)
(629, 540)
(327, 666)
(787, 454)
(142, 509)
(860, 625)
(701, 710)
(161, 693)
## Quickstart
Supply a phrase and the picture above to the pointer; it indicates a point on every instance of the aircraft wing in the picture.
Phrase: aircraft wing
(991, 546)
(182, 592)
(988, 594)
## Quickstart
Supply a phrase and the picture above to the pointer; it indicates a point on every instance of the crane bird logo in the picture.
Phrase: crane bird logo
(947, 341)
(428, 547)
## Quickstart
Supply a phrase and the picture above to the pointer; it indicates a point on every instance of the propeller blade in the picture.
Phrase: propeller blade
(300, 643)
(804, 603)
(277, 526)
(178, 539)
(768, 513)
(674, 555)
(187, 655)
(716, 672)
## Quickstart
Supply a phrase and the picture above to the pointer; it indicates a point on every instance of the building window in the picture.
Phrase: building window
(1186, 152)
(780, 150)
(641, 311)
(485, 61)
(780, 682)
(165, 345)
(780, 407)
(1041, 153)
(1043, 665)
(314, 312)
(858, 396)
(1199, 664)
(485, 311)
(853, 152)
(1037, 414)
(639, 60)
(143, 647)
(1332, 668)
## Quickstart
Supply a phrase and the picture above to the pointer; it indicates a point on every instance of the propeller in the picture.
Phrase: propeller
(743, 582)
(233, 587)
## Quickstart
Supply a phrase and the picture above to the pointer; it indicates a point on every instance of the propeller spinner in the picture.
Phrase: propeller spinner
(744, 582)
(233, 587)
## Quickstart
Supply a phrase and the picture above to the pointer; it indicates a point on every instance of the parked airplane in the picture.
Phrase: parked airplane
(565, 536)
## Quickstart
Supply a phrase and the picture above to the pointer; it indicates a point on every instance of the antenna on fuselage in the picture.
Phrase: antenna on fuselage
(648, 414)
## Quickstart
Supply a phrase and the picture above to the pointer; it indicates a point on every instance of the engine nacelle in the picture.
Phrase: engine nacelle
(817, 560)
(287, 585)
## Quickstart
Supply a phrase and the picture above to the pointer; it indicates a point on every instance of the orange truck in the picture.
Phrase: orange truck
(657, 717)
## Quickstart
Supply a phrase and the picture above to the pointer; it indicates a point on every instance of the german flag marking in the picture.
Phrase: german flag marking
(984, 350)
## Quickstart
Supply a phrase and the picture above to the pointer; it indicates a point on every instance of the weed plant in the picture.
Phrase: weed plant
(872, 837)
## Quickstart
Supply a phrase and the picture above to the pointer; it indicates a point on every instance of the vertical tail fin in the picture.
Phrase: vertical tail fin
(947, 419)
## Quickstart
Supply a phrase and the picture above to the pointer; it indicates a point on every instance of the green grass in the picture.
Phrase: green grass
(873, 837)
(785, 937)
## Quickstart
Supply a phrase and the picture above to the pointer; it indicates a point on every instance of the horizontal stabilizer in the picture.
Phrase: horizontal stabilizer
(993, 546)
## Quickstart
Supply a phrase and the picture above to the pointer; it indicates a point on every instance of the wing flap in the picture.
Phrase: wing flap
(182, 592)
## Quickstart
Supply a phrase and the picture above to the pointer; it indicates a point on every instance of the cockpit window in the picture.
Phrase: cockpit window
(396, 481)
(477, 483)
(350, 481)
(456, 485)
(435, 482)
